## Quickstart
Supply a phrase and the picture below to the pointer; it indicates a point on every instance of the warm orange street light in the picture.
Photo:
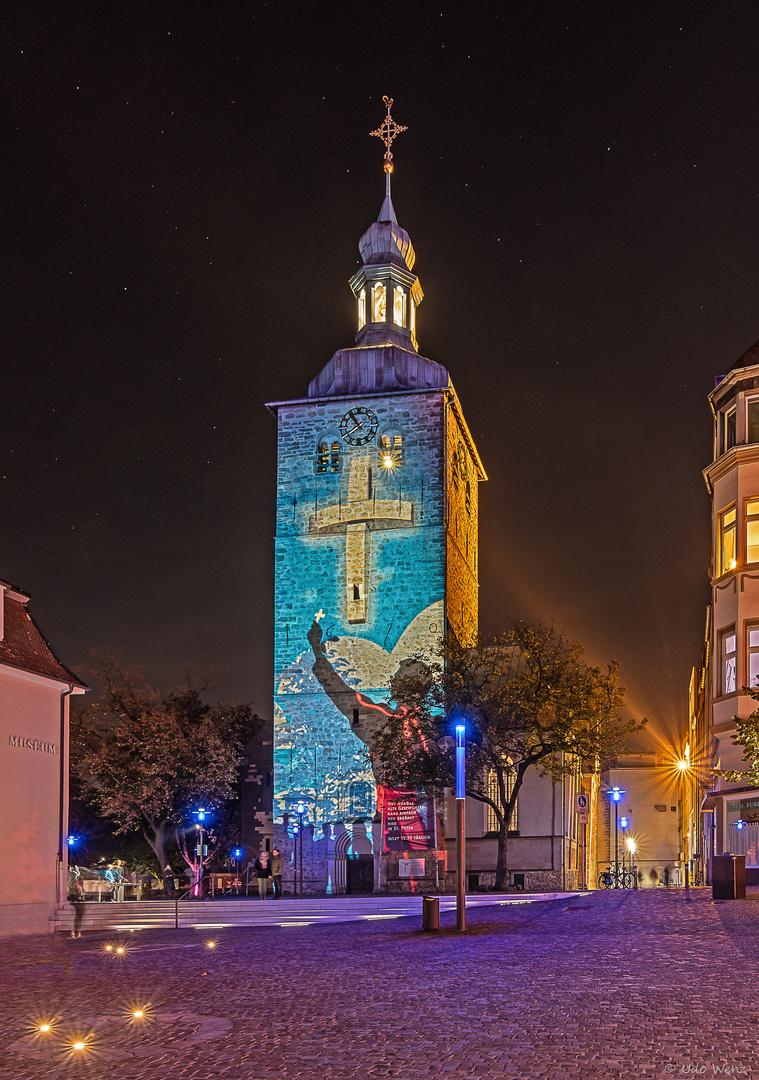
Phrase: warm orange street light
(684, 768)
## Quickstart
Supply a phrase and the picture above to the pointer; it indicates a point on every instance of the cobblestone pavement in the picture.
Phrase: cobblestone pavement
(648, 984)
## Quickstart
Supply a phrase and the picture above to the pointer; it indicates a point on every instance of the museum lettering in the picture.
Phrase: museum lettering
(32, 744)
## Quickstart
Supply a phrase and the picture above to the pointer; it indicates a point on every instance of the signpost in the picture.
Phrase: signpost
(583, 806)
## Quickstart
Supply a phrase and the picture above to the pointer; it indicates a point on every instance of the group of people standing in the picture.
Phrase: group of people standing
(269, 866)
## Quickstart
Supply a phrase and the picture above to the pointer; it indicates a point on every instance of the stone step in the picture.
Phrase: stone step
(150, 914)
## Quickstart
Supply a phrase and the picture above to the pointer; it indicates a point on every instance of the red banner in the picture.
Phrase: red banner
(408, 820)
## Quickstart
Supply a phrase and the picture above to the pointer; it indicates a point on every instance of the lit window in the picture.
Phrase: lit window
(391, 449)
(728, 647)
(379, 302)
(328, 456)
(727, 541)
(728, 431)
(752, 530)
(362, 309)
(399, 306)
(752, 420)
(495, 795)
(412, 321)
(752, 654)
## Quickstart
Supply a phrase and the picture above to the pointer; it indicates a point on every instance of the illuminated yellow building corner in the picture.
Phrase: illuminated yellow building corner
(464, 473)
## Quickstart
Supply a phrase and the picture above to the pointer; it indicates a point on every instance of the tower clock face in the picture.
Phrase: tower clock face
(359, 426)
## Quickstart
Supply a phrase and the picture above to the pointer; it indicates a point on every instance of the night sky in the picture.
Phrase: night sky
(183, 190)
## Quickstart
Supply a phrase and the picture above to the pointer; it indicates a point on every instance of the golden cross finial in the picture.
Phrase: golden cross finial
(387, 131)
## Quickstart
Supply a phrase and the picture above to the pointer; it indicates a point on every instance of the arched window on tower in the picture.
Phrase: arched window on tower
(399, 306)
(412, 320)
(379, 302)
(391, 448)
(328, 454)
(362, 309)
(361, 799)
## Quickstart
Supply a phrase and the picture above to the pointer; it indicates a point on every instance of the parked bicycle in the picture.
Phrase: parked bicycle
(616, 878)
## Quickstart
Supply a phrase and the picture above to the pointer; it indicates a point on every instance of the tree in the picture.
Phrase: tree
(746, 736)
(528, 701)
(148, 761)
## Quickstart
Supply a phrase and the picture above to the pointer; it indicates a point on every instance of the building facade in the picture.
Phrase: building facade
(376, 556)
(648, 813)
(731, 821)
(35, 690)
(549, 846)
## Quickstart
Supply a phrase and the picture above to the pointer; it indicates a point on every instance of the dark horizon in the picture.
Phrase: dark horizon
(184, 195)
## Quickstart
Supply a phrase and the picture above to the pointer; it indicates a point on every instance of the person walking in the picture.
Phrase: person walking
(276, 873)
(263, 873)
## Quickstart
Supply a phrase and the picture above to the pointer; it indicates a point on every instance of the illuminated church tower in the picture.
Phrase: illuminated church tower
(376, 554)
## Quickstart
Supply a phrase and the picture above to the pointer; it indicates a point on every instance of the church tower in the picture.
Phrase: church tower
(376, 552)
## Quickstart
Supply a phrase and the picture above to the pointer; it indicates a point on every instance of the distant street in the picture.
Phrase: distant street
(646, 984)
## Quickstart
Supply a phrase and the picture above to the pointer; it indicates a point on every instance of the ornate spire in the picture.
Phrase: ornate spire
(387, 291)
(387, 131)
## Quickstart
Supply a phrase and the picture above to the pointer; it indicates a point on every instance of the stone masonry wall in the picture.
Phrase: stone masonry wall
(461, 534)
(360, 576)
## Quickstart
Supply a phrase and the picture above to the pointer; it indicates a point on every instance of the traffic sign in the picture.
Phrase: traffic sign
(583, 819)
(583, 803)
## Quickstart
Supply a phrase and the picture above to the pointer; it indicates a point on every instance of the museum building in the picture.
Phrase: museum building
(35, 691)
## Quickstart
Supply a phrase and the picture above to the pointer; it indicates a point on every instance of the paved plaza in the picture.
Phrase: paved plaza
(649, 984)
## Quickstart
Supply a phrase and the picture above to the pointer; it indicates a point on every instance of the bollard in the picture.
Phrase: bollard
(430, 913)
(635, 878)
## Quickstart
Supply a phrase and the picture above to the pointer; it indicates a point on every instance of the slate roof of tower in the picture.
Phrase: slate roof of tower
(371, 369)
(23, 645)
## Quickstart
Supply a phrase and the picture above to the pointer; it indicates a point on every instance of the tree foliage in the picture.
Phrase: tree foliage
(528, 701)
(148, 761)
(746, 736)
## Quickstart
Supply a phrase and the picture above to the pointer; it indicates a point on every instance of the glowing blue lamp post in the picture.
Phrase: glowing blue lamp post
(71, 844)
(199, 851)
(238, 855)
(300, 810)
(460, 827)
(616, 794)
(623, 823)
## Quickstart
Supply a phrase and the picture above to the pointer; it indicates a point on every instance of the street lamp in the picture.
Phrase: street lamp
(684, 768)
(632, 847)
(616, 794)
(300, 810)
(201, 849)
(623, 823)
(460, 827)
(238, 855)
